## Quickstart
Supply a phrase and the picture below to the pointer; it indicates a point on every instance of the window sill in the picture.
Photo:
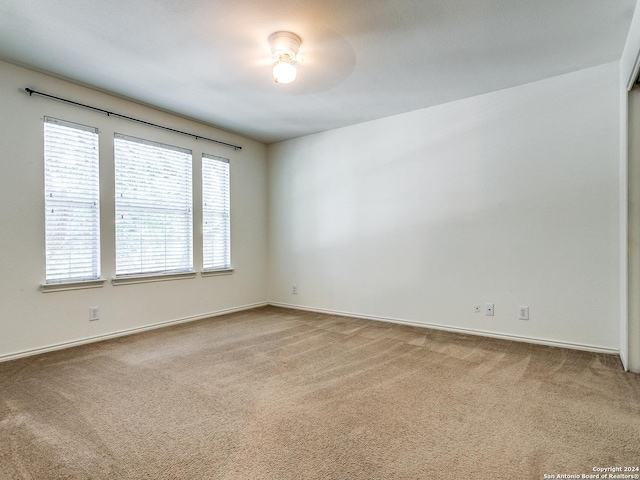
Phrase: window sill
(214, 273)
(162, 277)
(79, 285)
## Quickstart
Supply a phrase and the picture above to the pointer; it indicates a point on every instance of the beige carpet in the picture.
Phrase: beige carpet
(281, 394)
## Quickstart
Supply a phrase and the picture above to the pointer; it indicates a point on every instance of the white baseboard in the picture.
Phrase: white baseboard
(469, 331)
(131, 331)
(122, 333)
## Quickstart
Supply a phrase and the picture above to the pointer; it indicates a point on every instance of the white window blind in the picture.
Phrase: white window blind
(72, 201)
(216, 231)
(154, 225)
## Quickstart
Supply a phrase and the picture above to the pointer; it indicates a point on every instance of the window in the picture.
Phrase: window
(216, 238)
(72, 202)
(154, 225)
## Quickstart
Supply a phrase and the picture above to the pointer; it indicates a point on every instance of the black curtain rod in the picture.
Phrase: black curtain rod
(108, 113)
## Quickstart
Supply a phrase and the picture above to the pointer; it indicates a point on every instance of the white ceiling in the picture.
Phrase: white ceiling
(365, 59)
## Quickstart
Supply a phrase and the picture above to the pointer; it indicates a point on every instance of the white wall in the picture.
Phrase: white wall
(510, 197)
(30, 319)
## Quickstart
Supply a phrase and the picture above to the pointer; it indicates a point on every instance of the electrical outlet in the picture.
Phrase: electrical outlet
(294, 289)
(523, 313)
(488, 309)
(94, 313)
(476, 309)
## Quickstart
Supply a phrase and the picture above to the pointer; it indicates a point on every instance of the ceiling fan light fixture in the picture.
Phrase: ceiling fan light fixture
(284, 72)
(285, 46)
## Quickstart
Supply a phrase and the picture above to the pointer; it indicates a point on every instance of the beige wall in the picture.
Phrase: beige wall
(510, 197)
(30, 319)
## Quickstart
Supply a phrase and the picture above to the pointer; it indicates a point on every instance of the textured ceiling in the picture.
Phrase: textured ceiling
(365, 59)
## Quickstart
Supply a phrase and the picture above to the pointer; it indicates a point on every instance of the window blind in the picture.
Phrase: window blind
(154, 225)
(216, 228)
(72, 201)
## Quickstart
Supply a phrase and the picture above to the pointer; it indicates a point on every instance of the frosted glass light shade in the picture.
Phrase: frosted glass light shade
(284, 72)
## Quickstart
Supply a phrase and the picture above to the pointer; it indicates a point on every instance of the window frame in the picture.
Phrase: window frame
(210, 171)
(78, 197)
(158, 155)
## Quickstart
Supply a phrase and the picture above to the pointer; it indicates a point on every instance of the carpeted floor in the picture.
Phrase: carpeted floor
(273, 393)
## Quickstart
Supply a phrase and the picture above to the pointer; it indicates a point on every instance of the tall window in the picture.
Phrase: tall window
(154, 226)
(216, 238)
(72, 201)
